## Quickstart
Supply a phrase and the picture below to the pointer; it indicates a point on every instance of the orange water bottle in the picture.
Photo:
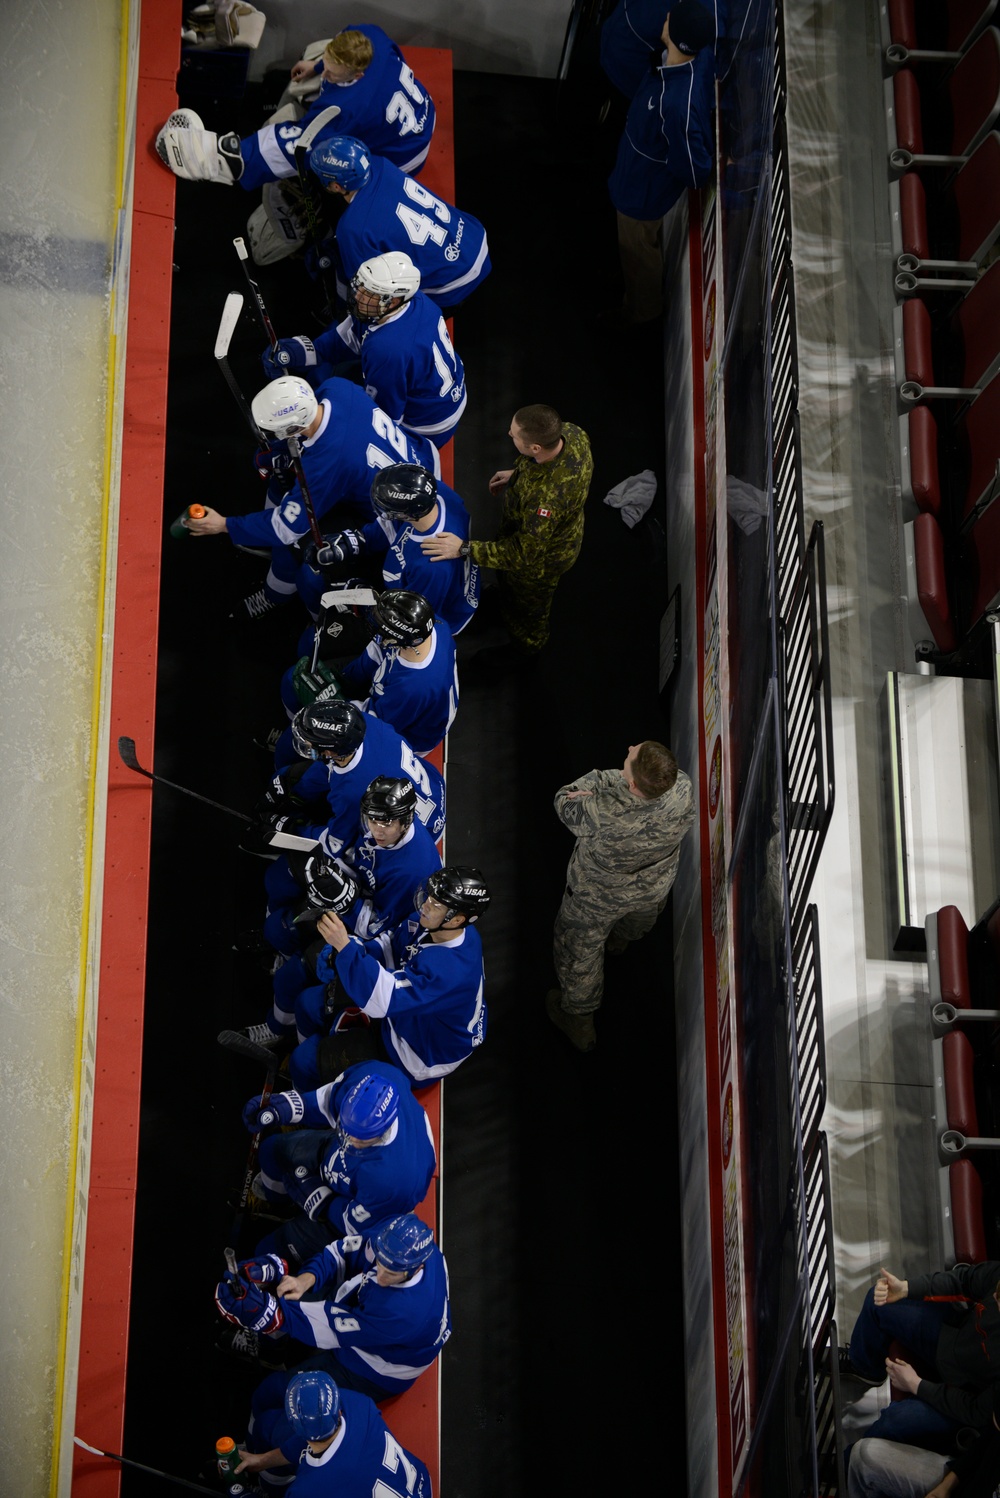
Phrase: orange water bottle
(193, 512)
(228, 1456)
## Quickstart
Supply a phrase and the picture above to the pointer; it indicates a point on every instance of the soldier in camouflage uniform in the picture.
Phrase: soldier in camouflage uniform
(541, 526)
(628, 825)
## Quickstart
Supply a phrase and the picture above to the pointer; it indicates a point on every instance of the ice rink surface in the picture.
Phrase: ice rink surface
(59, 103)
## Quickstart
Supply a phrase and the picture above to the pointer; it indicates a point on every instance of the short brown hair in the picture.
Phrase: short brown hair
(352, 49)
(654, 769)
(539, 424)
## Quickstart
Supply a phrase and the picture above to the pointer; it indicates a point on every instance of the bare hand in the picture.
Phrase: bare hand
(888, 1289)
(500, 480)
(332, 929)
(442, 548)
(294, 1286)
(575, 795)
(947, 1485)
(902, 1376)
(302, 70)
(260, 1461)
(209, 524)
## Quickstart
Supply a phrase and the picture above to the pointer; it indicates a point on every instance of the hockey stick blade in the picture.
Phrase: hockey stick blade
(235, 1040)
(227, 323)
(309, 134)
(126, 749)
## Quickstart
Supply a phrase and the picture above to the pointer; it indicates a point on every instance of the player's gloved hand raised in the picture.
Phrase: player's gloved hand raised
(266, 1271)
(291, 354)
(280, 1108)
(255, 1308)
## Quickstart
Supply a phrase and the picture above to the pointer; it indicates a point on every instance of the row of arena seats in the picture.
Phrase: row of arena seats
(964, 973)
(942, 103)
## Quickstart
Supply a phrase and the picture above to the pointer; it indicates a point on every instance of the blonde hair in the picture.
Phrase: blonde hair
(351, 49)
(654, 769)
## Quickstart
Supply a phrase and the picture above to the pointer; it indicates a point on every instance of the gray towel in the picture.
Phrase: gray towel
(633, 496)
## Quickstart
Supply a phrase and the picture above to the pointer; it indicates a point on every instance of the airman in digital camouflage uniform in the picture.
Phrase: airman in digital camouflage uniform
(541, 526)
(628, 825)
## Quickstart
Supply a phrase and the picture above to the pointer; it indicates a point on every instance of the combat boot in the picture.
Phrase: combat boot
(578, 1028)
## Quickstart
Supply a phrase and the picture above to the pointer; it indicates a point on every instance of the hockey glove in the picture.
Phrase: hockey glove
(280, 1108)
(342, 547)
(265, 1271)
(273, 460)
(291, 354)
(256, 1308)
(311, 1193)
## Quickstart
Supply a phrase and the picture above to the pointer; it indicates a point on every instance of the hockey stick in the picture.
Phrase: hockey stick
(180, 1482)
(232, 1040)
(294, 445)
(314, 221)
(227, 324)
(126, 749)
(244, 255)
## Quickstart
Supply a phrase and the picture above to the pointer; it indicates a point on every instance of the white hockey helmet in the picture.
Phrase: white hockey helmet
(390, 277)
(285, 407)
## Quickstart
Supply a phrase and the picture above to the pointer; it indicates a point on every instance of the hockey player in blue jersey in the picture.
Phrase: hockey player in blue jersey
(422, 984)
(392, 858)
(409, 366)
(378, 1308)
(309, 1438)
(367, 91)
(348, 749)
(365, 1153)
(411, 507)
(345, 440)
(408, 675)
(386, 210)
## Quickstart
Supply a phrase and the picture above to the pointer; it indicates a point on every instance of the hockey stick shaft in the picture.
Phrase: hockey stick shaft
(243, 253)
(295, 452)
(126, 749)
(227, 324)
(242, 1045)
(180, 1482)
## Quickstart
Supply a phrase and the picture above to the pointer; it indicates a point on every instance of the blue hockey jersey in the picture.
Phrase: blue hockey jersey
(450, 587)
(382, 751)
(394, 212)
(419, 698)
(363, 1458)
(667, 144)
(387, 108)
(408, 364)
(429, 995)
(353, 441)
(389, 878)
(382, 1180)
(387, 1333)
(631, 39)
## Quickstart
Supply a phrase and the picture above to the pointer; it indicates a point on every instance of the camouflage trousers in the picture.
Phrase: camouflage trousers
(588, 918)
(526, 604)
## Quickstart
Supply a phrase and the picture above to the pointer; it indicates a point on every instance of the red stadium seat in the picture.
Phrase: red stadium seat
(953, 957)
(974, 94)
(978, 440)
(940, 123)
(954, 233)
(932, 586)
(966, 19)
(953, 26)
(959, 1084)
(970, 339)
(966, 1191)
(925, 483)
(981, 564)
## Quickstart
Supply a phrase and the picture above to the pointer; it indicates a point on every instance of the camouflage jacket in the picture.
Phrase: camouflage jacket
(541, 527)
(623, 841)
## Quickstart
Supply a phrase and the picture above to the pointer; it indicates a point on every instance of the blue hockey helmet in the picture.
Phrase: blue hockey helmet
(312, 1405)
(368, 1108)
(404, 1243)
(404, 491)
(334, 727)
(341, 160)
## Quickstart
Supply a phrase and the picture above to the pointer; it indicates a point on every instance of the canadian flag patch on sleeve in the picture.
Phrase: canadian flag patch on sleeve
(545, 514)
